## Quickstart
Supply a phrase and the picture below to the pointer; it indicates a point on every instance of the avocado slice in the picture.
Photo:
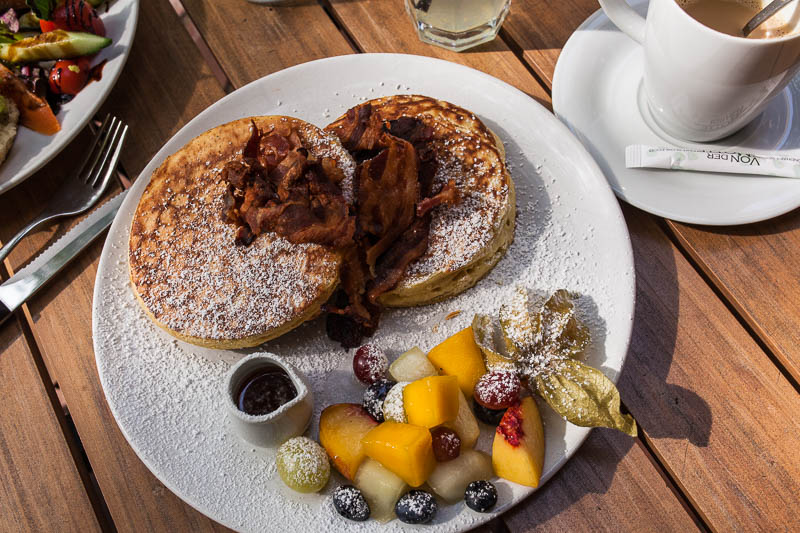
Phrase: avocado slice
(58, 44)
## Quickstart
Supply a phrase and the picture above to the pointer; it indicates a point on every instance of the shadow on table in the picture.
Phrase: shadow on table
(662, 410)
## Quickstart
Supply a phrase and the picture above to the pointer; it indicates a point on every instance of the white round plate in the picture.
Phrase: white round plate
(32, 150)
(167, 395)
(597, 92)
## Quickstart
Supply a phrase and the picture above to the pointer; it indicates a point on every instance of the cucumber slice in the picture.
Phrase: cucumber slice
(58, 44)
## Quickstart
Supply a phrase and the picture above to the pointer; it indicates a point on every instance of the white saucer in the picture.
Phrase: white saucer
(597, 92)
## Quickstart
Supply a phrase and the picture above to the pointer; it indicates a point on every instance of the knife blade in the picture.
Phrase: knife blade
(22, 285)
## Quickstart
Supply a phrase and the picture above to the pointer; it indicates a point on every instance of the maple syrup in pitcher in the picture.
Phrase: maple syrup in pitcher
(265, 390)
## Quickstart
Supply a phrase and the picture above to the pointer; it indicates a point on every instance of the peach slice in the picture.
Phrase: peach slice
(518, 448)
(341, 427)
(404, 449)
(431, 401)
(459, 355)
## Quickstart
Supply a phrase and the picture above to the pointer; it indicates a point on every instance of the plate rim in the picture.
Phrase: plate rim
(21, 177)
(626, 254)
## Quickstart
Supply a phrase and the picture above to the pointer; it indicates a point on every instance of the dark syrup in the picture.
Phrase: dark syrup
(265, 390)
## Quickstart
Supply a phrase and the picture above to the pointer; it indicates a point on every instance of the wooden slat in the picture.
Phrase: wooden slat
(42, 488)
(157, 93)
(378, 26)
(251, 40)
(540, 28)
(756, 268)
(609, 485)
(721, 417)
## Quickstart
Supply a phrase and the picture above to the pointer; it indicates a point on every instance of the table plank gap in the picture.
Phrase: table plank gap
(779, 358)
(520, 53)
(202, 46)
(45, 485)
(757, 325)
(74, 444)
(326, 5)
(253, 40)
(670, 481)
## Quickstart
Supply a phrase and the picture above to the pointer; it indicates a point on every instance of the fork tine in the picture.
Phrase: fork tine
(98, 136)
(94, 172)
(89, 169)
(113, 149)
(116, 149)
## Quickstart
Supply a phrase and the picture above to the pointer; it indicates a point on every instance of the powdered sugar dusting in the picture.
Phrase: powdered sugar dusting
(166, 395)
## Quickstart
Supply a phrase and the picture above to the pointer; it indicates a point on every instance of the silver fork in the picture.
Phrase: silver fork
(86, 186)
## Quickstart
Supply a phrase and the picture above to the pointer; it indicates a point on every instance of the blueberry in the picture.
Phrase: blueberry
(416, 507)
(480, 496)
(489, 416)
(350, 503)
(374, 396)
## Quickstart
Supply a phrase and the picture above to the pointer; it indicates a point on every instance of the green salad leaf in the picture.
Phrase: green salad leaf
(584, 396)
(6, 35)
(42, 8)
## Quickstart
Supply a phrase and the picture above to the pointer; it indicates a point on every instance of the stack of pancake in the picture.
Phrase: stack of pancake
(195, 282)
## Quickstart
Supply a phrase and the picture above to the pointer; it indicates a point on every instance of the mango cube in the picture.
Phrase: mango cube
(460, 356)
(431, 401)
(404, 449)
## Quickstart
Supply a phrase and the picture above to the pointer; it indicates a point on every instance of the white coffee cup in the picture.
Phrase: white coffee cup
(703, 85)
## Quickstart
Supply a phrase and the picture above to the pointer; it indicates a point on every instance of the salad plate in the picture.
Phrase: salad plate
(167, 396)
(32, 150)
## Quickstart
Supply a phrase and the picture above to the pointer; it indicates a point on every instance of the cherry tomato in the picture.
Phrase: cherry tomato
(69, 76)
(47, 25)
(76, 15)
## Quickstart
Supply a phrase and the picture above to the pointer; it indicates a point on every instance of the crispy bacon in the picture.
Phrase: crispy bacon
(412, 245)
(394, 169)
(362, 129)
(447, 195)
(278, 186)
(273, 149)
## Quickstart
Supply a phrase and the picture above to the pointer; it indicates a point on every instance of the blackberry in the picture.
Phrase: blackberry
(416, 507)
(350, 503)
(480, 496)
(486, 415)
(374, 396)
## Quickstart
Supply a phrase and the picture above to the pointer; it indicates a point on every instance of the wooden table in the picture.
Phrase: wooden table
(712, 376)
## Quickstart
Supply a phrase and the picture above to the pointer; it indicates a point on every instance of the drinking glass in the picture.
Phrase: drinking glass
(457, 24)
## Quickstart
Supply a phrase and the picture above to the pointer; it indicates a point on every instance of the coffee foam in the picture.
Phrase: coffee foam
(789, 15)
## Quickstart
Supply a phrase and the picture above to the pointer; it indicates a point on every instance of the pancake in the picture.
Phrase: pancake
(188, 274)
(467, 239)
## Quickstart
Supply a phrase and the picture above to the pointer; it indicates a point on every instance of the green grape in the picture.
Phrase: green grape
(303, 465)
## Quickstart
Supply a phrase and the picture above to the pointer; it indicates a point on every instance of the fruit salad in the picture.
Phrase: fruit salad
(409, 446)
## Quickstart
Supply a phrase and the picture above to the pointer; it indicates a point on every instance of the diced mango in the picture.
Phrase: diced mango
(403, 449)
(431, 401)
(460, 356)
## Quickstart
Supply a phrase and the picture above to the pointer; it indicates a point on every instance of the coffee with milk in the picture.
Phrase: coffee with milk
(730, 16)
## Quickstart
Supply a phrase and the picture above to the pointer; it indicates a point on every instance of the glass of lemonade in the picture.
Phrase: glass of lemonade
(457, 24)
